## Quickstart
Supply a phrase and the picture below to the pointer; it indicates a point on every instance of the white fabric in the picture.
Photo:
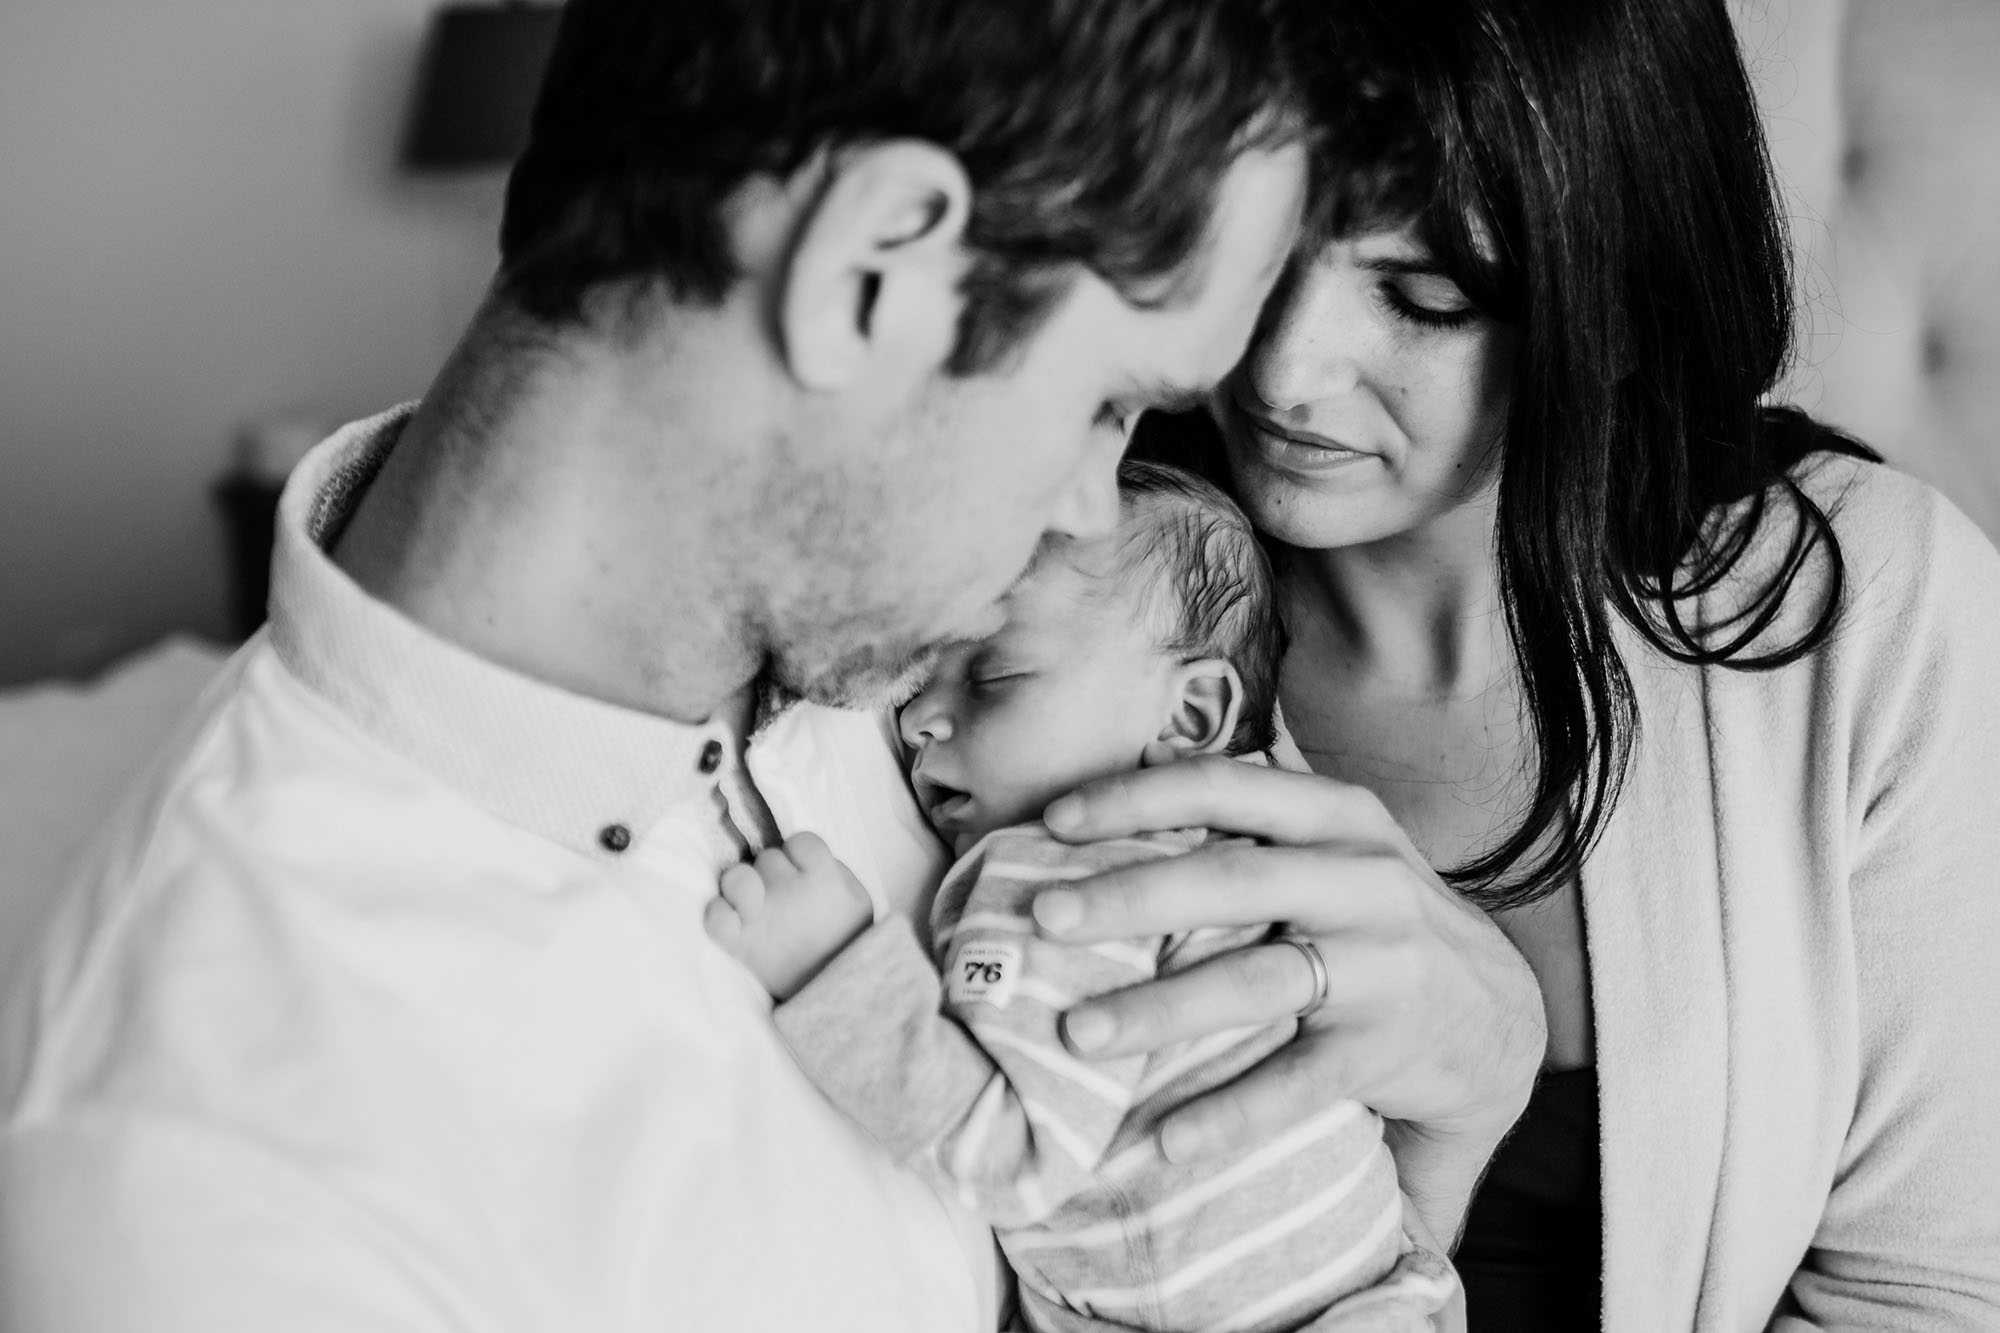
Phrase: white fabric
(1792, 922)
(67, 752)
(353, 1020)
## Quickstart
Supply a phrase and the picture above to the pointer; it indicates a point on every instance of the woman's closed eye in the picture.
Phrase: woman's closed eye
(1432, 302)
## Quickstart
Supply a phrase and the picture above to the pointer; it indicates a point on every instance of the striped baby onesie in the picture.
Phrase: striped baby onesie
(964, 1077)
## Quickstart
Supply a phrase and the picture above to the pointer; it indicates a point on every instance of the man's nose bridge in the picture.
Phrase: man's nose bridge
(1087, 506)
(1100, 500)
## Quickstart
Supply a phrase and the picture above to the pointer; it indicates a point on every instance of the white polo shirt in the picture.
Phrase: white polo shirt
(385, 1004)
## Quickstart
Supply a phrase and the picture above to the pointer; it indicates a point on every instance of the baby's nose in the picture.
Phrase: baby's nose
(923, 720)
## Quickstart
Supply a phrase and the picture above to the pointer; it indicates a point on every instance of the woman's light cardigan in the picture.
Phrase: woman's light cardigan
(1793, 922)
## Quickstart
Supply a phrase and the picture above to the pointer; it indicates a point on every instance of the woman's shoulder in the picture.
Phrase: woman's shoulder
(1904, 668)
(1898, 555)
(1892, 526)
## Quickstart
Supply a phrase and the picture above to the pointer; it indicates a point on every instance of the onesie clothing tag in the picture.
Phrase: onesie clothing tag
(984, 972)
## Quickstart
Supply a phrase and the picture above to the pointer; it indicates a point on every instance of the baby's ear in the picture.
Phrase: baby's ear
(1207, 698)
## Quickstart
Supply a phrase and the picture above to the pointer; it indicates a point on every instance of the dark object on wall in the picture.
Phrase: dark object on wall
(250, 517)
(482, 65)
(267, 449)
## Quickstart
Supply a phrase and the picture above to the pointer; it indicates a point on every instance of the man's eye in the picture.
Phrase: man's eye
(995, 682)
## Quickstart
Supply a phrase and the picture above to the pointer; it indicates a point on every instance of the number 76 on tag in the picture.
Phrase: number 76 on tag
(983, 972)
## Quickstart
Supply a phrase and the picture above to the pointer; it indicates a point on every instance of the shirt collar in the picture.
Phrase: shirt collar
(584, 773)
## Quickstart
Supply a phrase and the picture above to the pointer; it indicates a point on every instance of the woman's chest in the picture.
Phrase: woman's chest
(1457, 775)
(1456, 772)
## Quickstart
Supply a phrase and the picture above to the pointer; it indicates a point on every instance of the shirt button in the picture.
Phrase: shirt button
(614, 837)
(711, 757)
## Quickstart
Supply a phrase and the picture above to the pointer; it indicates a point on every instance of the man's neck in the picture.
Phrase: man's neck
(534, 513)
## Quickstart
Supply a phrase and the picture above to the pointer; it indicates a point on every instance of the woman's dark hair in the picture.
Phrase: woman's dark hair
(1593, 173)
(1094, 132)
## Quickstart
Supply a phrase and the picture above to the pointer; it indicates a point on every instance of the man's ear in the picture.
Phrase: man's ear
(1207, 699)
(874, 270)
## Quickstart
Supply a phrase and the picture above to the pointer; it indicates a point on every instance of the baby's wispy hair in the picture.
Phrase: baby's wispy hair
(1207, 582)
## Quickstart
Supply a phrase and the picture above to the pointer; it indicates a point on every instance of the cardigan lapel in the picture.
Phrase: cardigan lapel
(1652, 919)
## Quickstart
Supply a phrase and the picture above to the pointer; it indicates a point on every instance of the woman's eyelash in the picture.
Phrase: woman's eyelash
(1404, 308)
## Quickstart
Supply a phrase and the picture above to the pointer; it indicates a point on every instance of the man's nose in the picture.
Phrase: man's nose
(1088, 506)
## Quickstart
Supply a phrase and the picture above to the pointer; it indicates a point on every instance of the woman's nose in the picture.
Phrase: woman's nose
(1305, 352)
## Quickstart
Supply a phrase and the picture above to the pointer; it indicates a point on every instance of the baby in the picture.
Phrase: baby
(1155, 644)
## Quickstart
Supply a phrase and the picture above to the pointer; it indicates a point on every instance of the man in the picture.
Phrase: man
(386, 1004)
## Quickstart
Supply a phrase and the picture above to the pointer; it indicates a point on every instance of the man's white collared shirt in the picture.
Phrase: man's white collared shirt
(385, 1004)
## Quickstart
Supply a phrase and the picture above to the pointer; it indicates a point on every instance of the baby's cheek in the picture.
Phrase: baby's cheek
(1017, 792)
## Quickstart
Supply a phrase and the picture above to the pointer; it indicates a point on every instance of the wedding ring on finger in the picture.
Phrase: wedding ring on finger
(1318, 964)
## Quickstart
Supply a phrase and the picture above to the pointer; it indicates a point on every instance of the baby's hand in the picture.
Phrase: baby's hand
(787, 913)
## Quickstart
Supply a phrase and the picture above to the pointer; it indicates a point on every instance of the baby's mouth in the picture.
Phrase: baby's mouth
(941, 804)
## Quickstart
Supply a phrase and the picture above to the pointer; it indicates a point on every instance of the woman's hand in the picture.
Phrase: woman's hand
(1431, 1017)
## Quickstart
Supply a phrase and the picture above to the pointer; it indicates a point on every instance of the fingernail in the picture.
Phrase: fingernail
(1058, 910)
(1087, 1029)
(1182, 1142)
(1064, 815)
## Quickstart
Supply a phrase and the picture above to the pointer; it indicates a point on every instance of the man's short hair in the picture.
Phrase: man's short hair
(1094, 132)
(1206, 580)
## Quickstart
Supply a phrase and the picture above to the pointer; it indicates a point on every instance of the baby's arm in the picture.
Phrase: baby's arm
(785, 914)
(984, 1096)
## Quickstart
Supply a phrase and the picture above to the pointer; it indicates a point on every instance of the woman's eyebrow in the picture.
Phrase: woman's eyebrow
(1414, 266)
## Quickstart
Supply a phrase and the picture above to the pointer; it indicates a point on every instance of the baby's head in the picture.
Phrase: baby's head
(1156, 643)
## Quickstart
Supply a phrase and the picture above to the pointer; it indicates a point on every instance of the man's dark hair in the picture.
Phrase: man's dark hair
(1094, 132)
(1205, 575)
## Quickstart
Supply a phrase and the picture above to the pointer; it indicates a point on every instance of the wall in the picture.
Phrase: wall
(201, 222)
(1883, 118)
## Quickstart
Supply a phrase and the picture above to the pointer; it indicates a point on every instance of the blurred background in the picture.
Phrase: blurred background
(211, 225)
(228, 225)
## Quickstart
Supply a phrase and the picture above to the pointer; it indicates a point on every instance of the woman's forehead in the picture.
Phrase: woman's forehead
(1402, 241)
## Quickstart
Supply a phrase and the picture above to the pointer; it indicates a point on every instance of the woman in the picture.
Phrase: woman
(1683, 690)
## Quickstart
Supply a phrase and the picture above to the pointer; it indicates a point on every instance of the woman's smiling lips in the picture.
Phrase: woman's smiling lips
(1301, 451)
(1297, 450)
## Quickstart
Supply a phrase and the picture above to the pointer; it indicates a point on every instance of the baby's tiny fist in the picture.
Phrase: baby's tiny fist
(722, 923)
(743, 889)
(788, 913)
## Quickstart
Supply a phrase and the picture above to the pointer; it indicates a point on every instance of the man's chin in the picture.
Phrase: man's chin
(865, 680)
